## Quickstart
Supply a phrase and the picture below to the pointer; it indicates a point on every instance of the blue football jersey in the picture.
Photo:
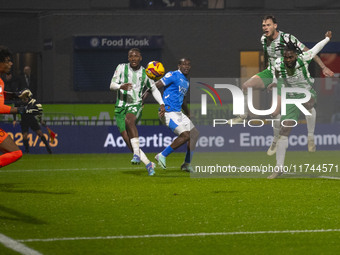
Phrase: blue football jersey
(176, 86)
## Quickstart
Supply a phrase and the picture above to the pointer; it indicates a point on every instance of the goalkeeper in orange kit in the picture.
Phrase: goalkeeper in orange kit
(10, 151)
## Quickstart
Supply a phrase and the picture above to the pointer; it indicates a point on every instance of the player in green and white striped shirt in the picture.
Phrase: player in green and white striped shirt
(270, 40)
(292, 71)
(272, 52)
(129, 80)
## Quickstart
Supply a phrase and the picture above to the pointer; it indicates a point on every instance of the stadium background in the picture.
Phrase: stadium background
(221, 37)
(97, 203)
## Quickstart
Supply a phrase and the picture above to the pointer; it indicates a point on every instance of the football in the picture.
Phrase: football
(155, 70)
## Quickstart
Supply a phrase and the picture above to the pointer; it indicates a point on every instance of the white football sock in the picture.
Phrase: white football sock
(143, 157)
(245, 115)
(311, 119)
(282, 145)
(276, 127)
(135, 146)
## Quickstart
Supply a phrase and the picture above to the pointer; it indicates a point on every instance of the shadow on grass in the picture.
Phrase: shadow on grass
(12, 188)
(18, 216)
(224, 191)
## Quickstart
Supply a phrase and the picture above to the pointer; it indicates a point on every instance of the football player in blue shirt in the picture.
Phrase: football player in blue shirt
(176, 85)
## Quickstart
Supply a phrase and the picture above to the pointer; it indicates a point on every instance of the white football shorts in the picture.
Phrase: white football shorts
(178, 122)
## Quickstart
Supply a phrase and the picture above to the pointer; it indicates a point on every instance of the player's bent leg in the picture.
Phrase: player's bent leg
(43, 139)
(25, 142)
(126, 122)
(311, 121)
(150, 166)
(136, 151)
(255, 82)
(126, 139)
(179, 141)
(180, 124)
(26, 145)
(194, 135)
(311, 144)
(276, 130)
(186, 166)
(272, 149)
(282, 145)
(130, 122)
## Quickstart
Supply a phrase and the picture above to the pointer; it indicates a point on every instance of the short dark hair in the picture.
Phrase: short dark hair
(183, 59)
(4, 53)
(135, 49)
(272, 17)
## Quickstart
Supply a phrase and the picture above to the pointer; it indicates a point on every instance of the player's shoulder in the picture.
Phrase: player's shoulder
(170, 74)
(278, 62)
(305, 56)
(121, 66)
(286, 36)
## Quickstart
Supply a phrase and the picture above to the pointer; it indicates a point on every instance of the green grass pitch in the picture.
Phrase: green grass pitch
(101, 204)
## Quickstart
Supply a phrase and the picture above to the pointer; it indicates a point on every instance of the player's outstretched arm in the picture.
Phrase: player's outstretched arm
(158, 97)
(325, 70)
(319, 46)
(312, 54)
(159, 84)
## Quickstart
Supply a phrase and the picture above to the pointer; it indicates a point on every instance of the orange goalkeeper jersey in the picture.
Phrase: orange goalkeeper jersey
(3, 108)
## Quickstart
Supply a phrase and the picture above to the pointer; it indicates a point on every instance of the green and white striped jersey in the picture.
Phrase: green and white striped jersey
(271, 50)
(299, 76)
(125, 74)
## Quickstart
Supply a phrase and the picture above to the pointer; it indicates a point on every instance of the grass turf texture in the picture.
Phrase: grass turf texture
(101, 195)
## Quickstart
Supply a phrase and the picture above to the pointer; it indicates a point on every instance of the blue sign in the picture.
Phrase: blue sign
(117, 42)
(331, 47)
(239, 138)
(153, 139)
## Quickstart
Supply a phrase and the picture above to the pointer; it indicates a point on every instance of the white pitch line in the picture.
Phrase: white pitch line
(329, 177)
(180, 235)
(16, 246)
